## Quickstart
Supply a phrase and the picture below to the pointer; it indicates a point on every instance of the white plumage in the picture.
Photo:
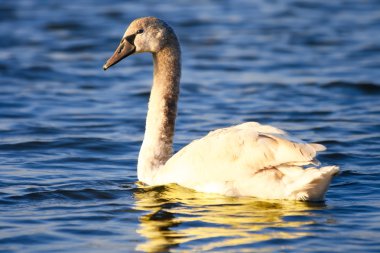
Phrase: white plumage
(249, 160)
(243, 160)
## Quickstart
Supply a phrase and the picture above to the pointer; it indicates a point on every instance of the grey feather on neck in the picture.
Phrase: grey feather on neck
(157, 146)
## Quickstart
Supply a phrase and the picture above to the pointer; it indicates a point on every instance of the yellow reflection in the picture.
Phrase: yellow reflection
(176, 215)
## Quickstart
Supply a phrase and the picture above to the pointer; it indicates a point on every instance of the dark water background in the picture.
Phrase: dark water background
(70, 133)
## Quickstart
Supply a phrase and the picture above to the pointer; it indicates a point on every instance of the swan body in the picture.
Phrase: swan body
(249, 159)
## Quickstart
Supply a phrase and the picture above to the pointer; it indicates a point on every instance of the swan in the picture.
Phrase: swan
(249, 159)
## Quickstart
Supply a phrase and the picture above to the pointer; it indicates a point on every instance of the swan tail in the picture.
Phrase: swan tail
(312, 184)
(318, 147)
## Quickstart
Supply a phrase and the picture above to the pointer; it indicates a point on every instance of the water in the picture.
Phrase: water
(70, 133)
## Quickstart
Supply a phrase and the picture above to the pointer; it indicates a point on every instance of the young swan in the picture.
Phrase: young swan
(243, 160)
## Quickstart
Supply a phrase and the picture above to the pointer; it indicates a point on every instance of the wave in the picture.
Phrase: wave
(363, 87)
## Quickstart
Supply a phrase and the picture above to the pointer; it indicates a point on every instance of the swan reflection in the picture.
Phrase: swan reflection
(198, 221)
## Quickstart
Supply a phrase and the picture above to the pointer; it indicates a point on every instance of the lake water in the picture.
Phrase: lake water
(70, 133)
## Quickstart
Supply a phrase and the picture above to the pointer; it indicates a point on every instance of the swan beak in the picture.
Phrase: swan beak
(123, 50)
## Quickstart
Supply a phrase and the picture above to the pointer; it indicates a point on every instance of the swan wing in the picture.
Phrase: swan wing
(233, 153)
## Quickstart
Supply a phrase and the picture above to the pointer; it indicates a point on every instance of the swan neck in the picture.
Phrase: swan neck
(157, 146)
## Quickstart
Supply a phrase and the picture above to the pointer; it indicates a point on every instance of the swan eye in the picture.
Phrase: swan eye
(139, 31)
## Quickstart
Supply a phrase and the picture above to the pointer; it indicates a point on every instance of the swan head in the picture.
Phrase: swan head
(147, 34)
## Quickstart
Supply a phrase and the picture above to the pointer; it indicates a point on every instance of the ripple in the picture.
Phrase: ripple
(66, 25)
(69, 195)
(367, 88)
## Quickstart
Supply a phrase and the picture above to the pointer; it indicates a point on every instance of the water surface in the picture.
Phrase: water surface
(70, 133)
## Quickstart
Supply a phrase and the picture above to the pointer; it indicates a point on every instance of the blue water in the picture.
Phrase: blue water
(70, 133)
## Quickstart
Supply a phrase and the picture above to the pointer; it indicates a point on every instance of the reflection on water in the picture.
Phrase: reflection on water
(176, 216)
